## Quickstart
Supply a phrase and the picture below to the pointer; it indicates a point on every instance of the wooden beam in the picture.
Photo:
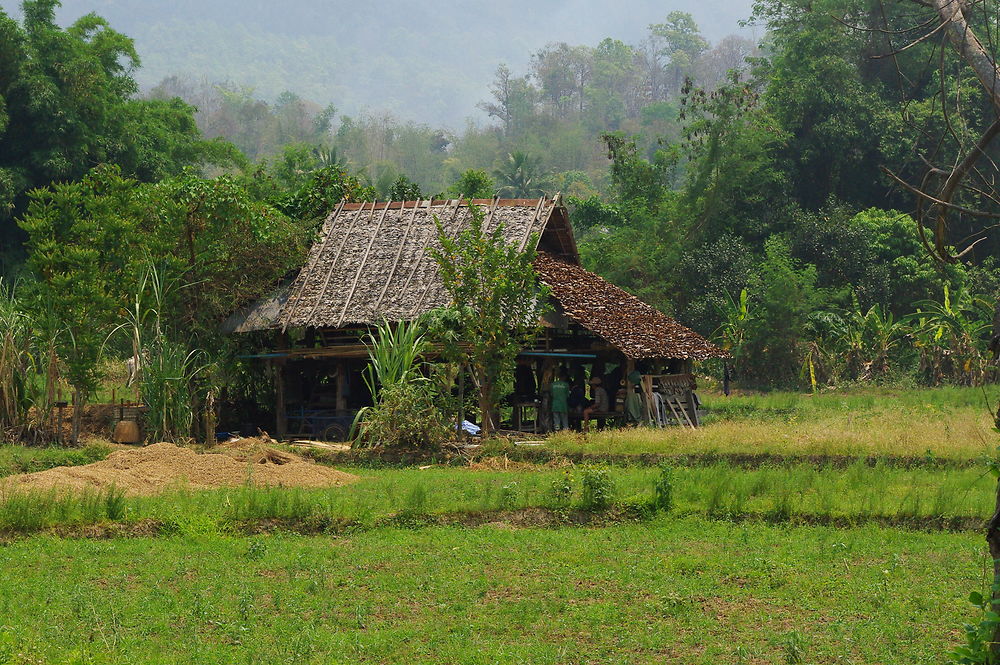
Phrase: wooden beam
(280, 413)
(342, 386)
(489, 217)
(531, 224)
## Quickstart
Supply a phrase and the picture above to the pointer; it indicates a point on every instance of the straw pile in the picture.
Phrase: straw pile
(163, 466)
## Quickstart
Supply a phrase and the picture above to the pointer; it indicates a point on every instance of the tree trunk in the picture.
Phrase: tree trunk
(77, 414)
(485, 406)
(209, 419)
(461, 400)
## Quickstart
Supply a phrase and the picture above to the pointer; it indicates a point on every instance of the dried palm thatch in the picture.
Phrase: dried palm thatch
(638, 330)
(372, 260)
(372, 263)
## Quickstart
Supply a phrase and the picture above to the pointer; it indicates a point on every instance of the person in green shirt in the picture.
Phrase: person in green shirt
(560, 405)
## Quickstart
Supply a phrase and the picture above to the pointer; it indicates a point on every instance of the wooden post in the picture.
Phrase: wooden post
(341, 386)
(280, 415)
(647, 390)
(692, 409)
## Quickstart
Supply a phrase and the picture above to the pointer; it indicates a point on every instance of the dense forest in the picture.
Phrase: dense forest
(759, 191)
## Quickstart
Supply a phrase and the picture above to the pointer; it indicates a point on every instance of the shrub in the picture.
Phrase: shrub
(598, 490)
(663, 489)
(406, 416)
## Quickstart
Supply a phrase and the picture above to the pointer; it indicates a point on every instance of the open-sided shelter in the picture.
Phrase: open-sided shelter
(372, 262)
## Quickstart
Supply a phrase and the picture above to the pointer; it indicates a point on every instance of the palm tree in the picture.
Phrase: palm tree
(520, 176)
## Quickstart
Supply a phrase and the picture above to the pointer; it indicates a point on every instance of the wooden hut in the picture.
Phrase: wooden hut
(371, 262)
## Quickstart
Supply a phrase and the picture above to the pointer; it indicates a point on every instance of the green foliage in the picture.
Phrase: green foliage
(321, 192)
(78, 236)
(168, 369)
(406, 413)
(16, 364)
(598, 490)
(663, 490)
(787, 296)
(473, 184)
(67, 102)
(404, 189)
(520, 176)
(949, 337)
(395, 355)
(405, 416)
(497, 302)
(979, 648)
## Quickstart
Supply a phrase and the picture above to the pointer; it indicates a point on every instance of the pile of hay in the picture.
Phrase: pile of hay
(163, 466)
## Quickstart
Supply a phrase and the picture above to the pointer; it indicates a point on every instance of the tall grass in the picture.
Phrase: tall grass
(952, 423)
(167, 369)
(15, 359)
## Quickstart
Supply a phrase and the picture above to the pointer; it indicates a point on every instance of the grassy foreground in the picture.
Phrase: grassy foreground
(684, 591)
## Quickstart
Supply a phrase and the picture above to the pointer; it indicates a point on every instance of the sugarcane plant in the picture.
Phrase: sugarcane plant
(405, 410)
(16, 364)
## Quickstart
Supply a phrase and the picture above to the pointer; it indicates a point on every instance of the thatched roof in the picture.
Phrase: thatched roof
(627, 323)
(372, 262)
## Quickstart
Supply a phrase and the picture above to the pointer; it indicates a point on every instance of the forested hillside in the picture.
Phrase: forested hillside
(428, 62)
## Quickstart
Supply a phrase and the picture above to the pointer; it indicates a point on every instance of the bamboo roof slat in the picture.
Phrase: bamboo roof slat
(399, 253)
(449, 233)
(333, 264)
(489, 217)
(529, 227)
(364, 262)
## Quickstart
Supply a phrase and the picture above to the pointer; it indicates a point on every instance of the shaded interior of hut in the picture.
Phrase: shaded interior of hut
(564, 382)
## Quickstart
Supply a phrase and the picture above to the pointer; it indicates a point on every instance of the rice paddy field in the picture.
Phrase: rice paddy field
(840, 528)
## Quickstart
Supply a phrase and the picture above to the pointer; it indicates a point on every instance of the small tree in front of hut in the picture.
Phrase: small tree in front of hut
(498, 301)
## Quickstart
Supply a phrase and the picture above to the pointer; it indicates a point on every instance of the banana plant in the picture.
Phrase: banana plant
(736, 318)
(950, 336)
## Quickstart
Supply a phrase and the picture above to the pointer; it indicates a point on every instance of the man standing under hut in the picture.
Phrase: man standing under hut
(560, 402)
(598, 402)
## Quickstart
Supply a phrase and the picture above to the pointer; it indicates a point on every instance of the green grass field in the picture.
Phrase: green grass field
(856, 550)
(670, 590)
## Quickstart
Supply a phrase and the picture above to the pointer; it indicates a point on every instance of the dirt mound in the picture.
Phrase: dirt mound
(162, 466)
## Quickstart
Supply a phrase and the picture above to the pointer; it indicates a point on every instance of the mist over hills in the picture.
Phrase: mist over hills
(428, 62)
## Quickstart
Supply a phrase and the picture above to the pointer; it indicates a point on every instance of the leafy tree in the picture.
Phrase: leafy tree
(498, 301)
(873, 255)
(227, 245)
(513, 101)
(474, 184)
(83, 266)
(321, 192)
(67, 103)
(679, 39)
(787, 296)
(405, 189)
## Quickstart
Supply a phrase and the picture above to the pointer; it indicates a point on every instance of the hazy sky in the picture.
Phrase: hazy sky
(429, 61)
